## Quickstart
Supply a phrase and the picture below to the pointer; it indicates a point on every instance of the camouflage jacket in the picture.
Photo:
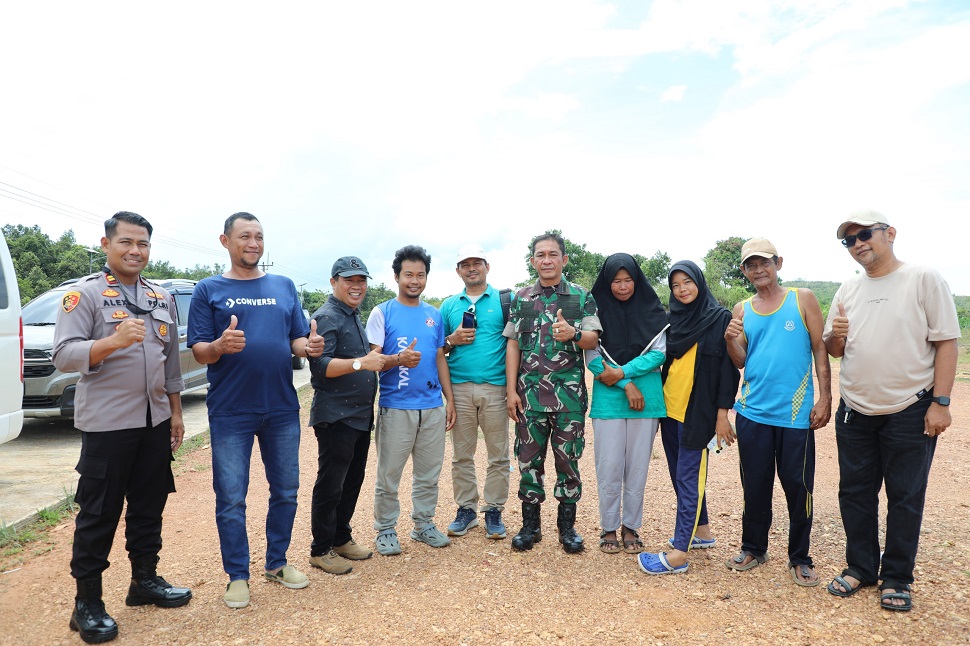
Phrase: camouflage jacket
(551, 373)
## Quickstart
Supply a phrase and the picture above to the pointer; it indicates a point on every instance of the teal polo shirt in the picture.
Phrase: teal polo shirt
(483, 361)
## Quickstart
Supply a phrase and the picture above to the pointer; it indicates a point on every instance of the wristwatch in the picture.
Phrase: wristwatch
(356, 364)
(942, 400)
(578, 336)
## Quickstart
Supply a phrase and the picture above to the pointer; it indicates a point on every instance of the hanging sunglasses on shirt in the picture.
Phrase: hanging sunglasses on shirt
(863, 236)
(132, 307)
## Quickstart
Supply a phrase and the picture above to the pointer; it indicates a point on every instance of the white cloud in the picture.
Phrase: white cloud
(673, 93)
(357, 128)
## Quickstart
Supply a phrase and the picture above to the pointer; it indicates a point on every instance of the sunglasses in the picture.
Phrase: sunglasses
(863, 236)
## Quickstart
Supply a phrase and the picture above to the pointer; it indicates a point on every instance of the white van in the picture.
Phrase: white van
(11, 350)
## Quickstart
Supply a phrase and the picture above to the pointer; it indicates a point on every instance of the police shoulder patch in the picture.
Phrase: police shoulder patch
(70, 301)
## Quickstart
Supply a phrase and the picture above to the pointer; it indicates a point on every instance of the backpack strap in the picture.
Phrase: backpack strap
(505, 297)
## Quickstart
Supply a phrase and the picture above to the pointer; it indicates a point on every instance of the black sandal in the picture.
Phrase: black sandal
(902, 591)
(631, 545)
(609, 546)
(848, 590)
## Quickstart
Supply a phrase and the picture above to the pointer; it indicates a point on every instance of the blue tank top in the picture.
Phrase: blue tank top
(777, 387)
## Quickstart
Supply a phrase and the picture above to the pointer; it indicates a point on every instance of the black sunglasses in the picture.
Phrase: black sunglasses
(863, 236)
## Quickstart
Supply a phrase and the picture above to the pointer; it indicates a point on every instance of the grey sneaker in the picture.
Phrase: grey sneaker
(465, 520)
(494, 527)
(387, 543)
(430, 535)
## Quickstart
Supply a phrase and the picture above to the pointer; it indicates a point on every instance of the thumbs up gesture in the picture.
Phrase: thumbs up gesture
(562, 331)
(232, 340)
(736, 327)
(314, 344)
(410, 357)
(840, 324)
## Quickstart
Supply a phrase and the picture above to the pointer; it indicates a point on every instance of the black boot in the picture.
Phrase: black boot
(572, 542)
(149, 588)
(531, 531)
(89, 618)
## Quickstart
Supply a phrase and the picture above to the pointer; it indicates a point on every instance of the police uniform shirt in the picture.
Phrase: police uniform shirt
(112, 395)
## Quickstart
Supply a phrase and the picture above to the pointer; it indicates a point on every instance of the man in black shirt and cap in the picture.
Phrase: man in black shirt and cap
(344, 382)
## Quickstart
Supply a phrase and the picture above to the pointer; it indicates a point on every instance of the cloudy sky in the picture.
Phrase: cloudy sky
(359, 127)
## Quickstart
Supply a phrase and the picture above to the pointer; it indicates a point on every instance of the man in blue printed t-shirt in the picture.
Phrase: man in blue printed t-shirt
(246, 325)
(411, 420)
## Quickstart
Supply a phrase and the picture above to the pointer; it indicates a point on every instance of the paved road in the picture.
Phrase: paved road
(37, 468)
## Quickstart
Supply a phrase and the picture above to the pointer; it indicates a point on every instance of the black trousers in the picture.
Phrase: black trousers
(133, 464)
(341, 461)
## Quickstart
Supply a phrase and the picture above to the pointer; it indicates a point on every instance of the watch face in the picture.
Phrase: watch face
(942, 400)
(356, 364)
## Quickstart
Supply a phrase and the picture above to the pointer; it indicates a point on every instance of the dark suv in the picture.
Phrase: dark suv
(48, 392)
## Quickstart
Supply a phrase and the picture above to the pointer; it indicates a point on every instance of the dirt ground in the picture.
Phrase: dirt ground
(479, 591)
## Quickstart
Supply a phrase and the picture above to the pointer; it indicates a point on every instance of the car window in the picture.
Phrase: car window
(182, 304)
(4, 296)
(43, 309)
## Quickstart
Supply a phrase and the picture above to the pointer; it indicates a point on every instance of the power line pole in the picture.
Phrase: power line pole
(265, 265)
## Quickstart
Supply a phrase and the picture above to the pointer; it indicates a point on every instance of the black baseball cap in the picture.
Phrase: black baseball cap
(349, 266)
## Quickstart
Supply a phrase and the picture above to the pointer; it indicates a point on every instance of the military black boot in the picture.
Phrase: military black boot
(531, 531)
(89, 618)
(571, 541)
(148, 588)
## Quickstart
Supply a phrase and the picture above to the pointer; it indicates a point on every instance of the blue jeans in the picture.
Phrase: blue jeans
(232, 450)
(872, 450)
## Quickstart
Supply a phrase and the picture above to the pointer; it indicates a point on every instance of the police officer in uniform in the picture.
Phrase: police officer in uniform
(119, 331)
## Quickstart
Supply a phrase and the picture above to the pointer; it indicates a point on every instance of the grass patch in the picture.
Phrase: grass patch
(963, 356)
(192, 444)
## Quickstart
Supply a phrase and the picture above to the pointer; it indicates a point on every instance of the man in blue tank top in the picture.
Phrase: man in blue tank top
(774, 336)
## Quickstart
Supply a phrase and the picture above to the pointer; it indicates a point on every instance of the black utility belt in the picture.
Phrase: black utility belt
(850, 414)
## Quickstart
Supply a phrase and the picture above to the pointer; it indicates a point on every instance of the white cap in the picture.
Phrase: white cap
(470, 251)
(864, 218)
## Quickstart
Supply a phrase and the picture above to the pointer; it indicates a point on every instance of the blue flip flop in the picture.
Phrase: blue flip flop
(657, 564)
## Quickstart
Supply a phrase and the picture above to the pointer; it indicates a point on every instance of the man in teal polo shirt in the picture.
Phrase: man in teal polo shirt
(475, 349)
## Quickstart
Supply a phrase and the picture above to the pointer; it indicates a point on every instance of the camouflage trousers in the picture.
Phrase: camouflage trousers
(533, 431)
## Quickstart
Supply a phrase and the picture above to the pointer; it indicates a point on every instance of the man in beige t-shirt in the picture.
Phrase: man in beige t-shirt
(895, 328)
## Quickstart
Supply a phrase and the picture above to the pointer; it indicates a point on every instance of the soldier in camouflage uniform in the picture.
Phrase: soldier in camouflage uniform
(550, 324)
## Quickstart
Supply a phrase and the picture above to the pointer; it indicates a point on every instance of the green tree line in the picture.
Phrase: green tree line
(42, 263)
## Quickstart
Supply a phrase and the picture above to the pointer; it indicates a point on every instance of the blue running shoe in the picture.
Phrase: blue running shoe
(465, 520)
(698, 543)
(494, 527)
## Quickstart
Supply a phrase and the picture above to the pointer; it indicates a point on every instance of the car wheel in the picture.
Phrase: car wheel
(299, 362)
